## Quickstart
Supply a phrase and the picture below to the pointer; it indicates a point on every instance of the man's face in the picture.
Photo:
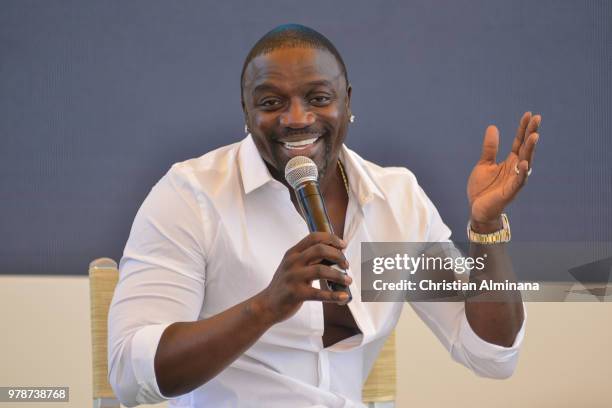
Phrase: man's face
(296, 102)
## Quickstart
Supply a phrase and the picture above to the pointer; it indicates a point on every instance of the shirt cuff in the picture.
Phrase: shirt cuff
(489, 351)
(143, 347)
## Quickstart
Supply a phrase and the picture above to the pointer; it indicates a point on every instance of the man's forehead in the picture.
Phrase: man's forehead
(305, 64)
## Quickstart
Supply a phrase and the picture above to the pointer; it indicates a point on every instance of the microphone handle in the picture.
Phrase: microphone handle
(313, 209)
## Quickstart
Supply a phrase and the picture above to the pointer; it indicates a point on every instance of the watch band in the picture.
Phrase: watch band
(497, 237)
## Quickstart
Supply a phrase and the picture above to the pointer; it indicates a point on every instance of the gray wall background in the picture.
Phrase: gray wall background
(98, 99)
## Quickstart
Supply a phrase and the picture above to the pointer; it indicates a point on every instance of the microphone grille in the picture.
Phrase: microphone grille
(299, 170)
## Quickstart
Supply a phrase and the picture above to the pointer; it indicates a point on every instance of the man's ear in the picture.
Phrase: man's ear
(349, 92)
(246, 115)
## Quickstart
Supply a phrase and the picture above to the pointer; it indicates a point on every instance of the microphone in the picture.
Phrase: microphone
(302, 174)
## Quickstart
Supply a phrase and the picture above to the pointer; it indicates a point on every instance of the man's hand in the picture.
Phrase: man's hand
(292, 282)
(492, 186)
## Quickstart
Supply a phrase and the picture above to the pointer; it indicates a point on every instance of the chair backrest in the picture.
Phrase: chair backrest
(380, 387)
(103, 276)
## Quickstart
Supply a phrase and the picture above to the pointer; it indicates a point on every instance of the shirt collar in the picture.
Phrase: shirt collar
(253, 170)
(255, 174)
(361, 183)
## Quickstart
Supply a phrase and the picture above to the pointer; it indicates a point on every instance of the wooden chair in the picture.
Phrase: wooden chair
(103, 276)
(378, 392)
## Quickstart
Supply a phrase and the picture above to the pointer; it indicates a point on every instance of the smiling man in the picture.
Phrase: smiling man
(296, 102)
(219, 301)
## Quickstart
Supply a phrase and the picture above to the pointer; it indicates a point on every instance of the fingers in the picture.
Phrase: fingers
(321, 252)
(524, 147)
(532, 127)
(326, 295)
(327, 273)
(490, 145)
(525, 142)
(528, 151)
(520, 132)
(301, 265)
(318, 238)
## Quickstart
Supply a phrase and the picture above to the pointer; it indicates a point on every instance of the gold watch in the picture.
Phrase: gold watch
(497, 237)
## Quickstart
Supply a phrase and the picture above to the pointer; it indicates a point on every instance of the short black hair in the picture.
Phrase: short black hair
(291, 36)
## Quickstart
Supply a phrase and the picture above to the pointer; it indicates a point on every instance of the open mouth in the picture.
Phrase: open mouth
(300, 144)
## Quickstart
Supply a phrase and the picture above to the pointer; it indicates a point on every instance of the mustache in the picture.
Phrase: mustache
(307, 131)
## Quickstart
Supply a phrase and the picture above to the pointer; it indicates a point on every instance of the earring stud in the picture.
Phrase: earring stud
(352, 118)
(246, 129)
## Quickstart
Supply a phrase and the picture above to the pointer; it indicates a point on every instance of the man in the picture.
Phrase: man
(219, 302)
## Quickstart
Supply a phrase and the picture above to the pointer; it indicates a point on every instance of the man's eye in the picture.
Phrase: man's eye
(320, 100)
(268, 103)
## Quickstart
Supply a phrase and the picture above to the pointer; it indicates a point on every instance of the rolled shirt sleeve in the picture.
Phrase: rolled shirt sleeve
(484, 358)
(447, 320)
(161, 281)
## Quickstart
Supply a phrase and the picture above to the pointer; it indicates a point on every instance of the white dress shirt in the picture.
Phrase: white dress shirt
(211, 234)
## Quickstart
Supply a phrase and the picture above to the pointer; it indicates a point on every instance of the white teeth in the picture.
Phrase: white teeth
(301, 144)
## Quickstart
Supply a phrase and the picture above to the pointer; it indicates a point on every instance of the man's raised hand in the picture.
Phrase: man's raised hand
(492, 186)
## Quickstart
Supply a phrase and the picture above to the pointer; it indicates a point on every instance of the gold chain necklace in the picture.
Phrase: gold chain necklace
(346, 184)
